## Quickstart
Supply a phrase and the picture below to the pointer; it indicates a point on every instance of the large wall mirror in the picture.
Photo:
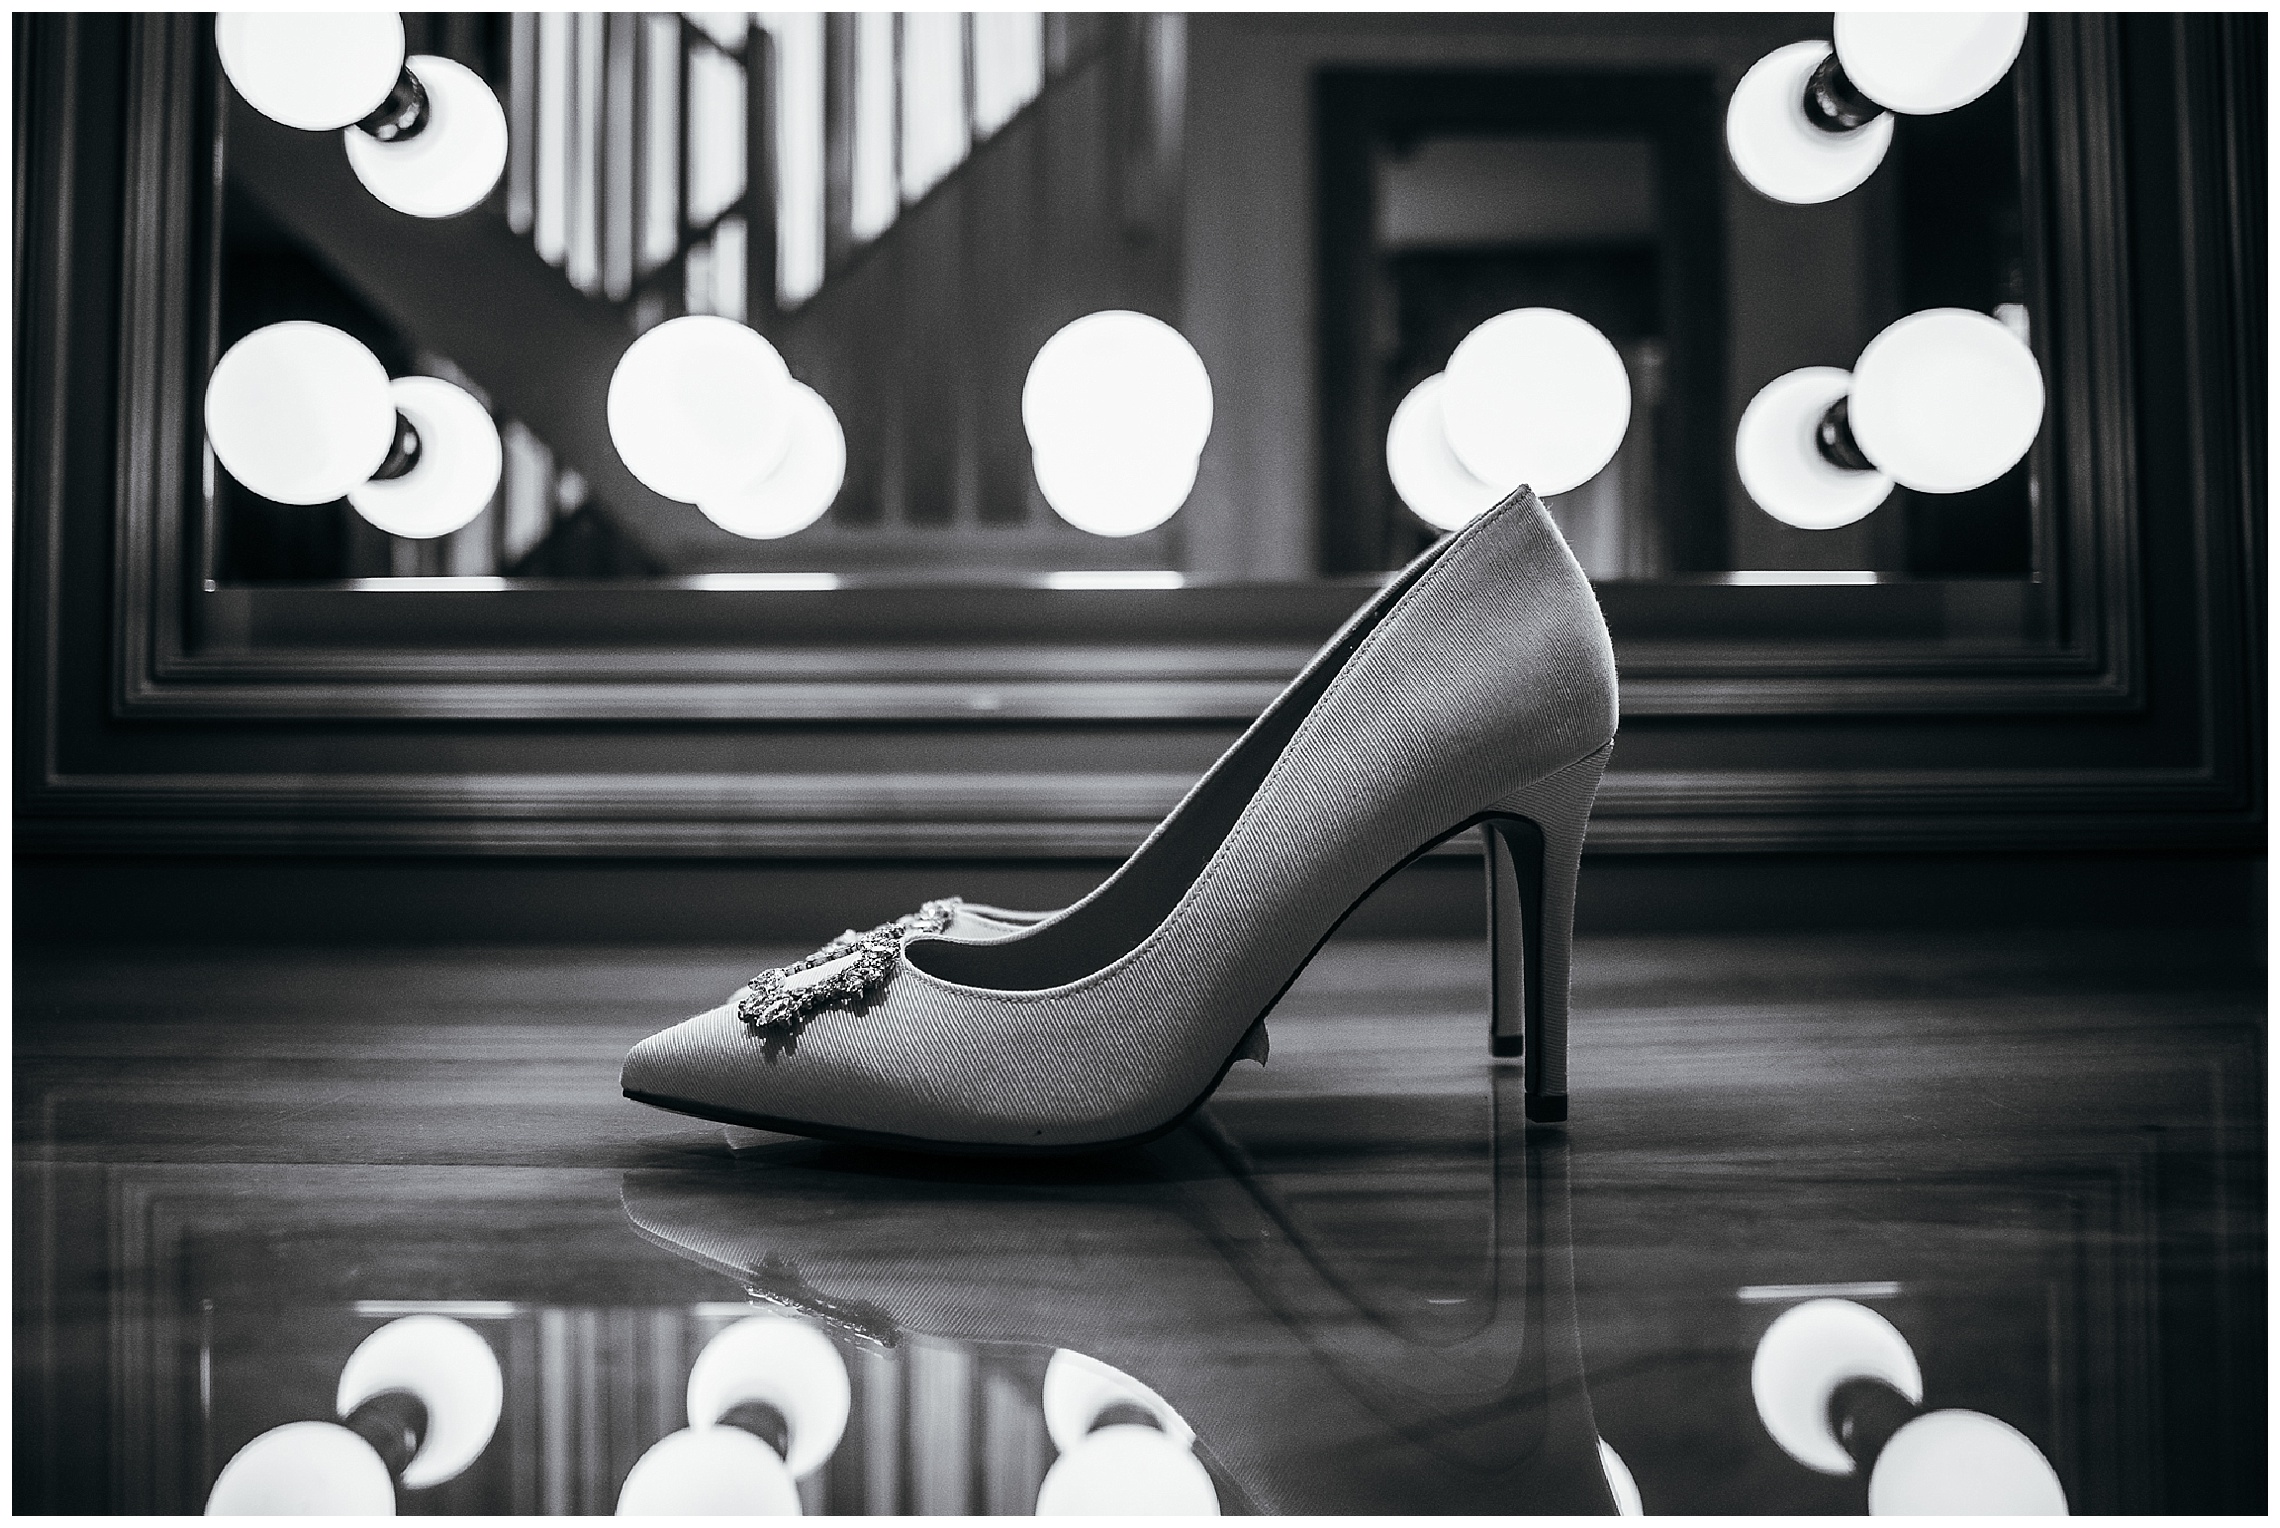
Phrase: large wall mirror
(1331, 210)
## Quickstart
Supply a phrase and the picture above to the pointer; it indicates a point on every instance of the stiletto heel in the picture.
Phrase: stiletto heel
(1535, 847)
(1478, 685)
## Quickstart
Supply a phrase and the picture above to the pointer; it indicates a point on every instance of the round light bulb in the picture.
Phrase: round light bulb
(1113, 493)
(1425, 472)
(1119, 384)
(796, 494)
(699, 407)
(449, 1366)
(1536, 396)
(314, 70)
(1810, 1350)
(1128, 1470)
(304, 1468)
(1781, 464)
(453, 161)
(1079, 1387)
(1780, 151)
(300, 413)
(1946, 400)
(1922, 62)
(709, 1472)
(458, 469)
(782, 1363)
(1962, 1463)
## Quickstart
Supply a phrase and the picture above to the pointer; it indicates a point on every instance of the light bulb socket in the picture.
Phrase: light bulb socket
(1833, 438)
(1833, 103)
(395, 1423)
(764, 1422)
(1864, 1414)
(403, 451)
(403, 115)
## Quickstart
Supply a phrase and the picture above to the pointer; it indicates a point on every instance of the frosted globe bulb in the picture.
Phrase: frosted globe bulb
(1114, 493)
(458, 466)
(1810, 1350)
(699, 407)
(299, 413)
(1946, 400)
(453, 1371)
(313, 70)
(1783, 153)
(779, 1362)
(709, 1472)
(304, 1468)
(1425, 472)
(1117, 382)
(455, 158)
(796, 494)
(1962, 1463)
(1924, 62)
(1127, 1470)
(1536, 396)
(1780, 461)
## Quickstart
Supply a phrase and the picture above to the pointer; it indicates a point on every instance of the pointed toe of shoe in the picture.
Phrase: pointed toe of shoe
(713, 1067)
(683, 1066)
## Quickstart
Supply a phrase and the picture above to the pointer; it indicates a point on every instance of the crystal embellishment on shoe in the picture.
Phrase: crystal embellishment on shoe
(772, 1005)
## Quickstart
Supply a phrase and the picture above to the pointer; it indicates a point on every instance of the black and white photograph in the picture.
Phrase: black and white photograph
(1384, 763)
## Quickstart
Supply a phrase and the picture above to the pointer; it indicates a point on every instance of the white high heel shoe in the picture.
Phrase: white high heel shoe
(1477, 688)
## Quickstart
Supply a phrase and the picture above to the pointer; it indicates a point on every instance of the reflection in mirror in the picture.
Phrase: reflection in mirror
(909, 206)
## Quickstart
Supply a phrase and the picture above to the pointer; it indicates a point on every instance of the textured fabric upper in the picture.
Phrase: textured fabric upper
(1490, 671)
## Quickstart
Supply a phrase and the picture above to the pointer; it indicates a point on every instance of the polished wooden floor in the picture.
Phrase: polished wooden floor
(1357, 1276)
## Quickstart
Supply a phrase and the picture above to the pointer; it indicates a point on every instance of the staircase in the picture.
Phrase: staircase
(907, 205)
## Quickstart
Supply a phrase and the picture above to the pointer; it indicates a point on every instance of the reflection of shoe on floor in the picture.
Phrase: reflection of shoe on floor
(1182, 1271)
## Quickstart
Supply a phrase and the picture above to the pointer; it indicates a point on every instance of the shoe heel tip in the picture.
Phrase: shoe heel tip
(1504, 1045)
(1547, 1108)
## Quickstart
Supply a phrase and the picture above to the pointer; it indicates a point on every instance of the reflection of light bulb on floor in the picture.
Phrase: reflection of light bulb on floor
(300, 413)
(709, 1472)
(1838, 1388)
(1809, 122)
(1123, 1449)
(418, 1400)
(1117, 407)
(796, 494)
(1127, 1470)
(455, 473)
(768, 1400)
(1620, 1484)
(1942, 401)
(1805, 1355)
(699, 407)
(1535, 396)
(1959, 1464)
